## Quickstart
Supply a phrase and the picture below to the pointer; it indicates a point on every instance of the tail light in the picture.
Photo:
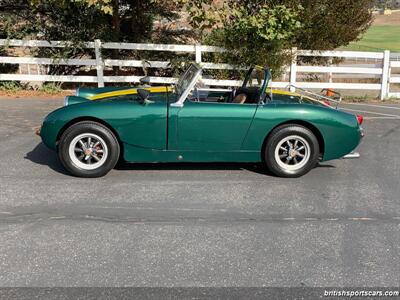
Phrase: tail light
(360, 119)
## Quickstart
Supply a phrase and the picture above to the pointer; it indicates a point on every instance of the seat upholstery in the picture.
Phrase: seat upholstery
(240, 99)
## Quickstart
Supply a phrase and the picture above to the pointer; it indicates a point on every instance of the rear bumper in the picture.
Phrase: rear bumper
(362, 134)
(354, 154)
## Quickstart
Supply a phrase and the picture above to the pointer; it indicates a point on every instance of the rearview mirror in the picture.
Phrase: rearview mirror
(144, 96)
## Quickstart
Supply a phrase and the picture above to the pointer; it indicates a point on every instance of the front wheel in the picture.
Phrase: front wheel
(291, 151)
(88, 149)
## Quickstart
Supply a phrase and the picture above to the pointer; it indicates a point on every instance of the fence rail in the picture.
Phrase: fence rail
(381, 67)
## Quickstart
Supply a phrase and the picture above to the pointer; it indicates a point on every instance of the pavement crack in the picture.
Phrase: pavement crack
(177, 218)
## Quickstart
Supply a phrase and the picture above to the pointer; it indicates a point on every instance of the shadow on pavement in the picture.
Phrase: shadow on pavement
(253, 167)
(43, 156)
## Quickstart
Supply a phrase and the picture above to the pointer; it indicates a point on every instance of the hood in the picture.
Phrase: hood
(112, 94)
(107, 92)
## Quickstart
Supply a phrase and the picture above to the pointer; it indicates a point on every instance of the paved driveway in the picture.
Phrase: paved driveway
(198, 224)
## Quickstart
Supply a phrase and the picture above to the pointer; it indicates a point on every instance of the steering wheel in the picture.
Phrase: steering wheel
(233, 94)
(197, 94)
(268, 97)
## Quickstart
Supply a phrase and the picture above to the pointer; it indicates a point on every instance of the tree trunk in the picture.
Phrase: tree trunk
(116, 22)
(116, 25)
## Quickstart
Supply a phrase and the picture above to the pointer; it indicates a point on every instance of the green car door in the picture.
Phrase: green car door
(218, 127)
(144, 125)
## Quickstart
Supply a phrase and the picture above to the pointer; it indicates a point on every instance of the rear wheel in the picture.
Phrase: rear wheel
(88, 149)
(291, 151)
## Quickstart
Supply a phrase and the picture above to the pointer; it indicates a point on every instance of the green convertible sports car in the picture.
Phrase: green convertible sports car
(288, 132)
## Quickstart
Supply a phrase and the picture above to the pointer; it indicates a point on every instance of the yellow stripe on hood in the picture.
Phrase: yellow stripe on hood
(133, 91)
(282, 92)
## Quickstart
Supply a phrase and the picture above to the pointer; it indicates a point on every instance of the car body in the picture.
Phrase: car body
(184, 123)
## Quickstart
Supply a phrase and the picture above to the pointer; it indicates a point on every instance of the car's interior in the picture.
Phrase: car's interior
(251, 92)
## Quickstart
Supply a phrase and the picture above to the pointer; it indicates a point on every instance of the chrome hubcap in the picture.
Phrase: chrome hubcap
(292, 153)
(88, 151)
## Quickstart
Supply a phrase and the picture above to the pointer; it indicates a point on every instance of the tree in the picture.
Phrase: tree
(328, 24)
(110, 20)
(259, 37)
(78, 21)
(257, 31)
(254, 31)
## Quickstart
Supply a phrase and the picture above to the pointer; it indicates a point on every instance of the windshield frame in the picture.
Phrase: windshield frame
(181, 91)
(263, 87)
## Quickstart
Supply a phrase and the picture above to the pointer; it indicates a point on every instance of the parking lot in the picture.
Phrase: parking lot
(198, 224)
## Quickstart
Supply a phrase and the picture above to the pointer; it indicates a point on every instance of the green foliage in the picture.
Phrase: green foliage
(6, 68)
(53, 20)
(205, 14)
(10, 86)
(258, 36)
(254, 31)
(78, 21)
(179, 64)
(51, 88)
(257, 31)
(276, 23)
(83, 20)
(104, 6)
(331, 24)
(16, 86)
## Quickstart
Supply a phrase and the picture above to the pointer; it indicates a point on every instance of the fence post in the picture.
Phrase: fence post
(293, 70)
(99, 63)
(197, 49)
(330, 74)
(385, 74)
(198, 53)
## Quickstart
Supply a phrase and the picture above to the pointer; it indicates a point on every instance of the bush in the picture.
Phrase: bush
(10, 86)
(258, 37)
(51, 88)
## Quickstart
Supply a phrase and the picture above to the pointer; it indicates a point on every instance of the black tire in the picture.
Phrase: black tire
(110, 151)
(292, 163)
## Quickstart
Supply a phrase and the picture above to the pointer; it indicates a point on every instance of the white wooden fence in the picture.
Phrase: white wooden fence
(381, 67)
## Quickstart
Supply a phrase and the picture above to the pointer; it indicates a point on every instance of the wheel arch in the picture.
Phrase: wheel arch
(93, 119)
(305, 124)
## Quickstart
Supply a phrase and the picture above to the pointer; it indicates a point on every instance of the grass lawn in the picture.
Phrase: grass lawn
(378, 38)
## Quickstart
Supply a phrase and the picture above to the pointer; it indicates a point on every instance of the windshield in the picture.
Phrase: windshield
(185, 80)
(255, 78)
(255, 83)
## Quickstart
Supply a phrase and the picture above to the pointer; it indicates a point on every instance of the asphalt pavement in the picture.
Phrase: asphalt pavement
(198, 224)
